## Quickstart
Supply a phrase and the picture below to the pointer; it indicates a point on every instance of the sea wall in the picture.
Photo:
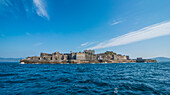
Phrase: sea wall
(83, 62)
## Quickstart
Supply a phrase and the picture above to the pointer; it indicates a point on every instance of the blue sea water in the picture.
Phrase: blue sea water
(78, 79)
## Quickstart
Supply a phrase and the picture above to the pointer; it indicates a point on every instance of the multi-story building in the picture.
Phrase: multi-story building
(81, 57)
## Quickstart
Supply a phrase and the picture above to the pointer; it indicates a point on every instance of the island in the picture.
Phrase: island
(87, 56)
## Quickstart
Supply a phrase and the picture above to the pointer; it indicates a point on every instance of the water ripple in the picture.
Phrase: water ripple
(107, 79)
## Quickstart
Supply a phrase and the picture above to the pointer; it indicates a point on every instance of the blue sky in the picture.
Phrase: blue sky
(138, 28)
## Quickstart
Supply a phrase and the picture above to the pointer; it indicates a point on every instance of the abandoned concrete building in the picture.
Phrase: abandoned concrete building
(87, 56)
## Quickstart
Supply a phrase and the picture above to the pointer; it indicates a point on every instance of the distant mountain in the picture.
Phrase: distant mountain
(162, 59)
(10, 59)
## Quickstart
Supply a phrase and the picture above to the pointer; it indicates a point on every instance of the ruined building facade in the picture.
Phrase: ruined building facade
(87, 56)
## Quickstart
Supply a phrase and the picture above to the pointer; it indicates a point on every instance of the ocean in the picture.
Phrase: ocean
(85, 79)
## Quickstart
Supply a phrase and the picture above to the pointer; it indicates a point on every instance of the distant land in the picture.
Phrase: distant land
(162, 59)
(10, 59)
(159, 59)
(86, 56)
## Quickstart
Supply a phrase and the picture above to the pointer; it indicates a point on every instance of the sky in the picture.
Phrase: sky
(138, 28)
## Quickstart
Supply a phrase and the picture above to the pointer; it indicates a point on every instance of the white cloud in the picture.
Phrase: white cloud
(88, 44)
(5, 2)
(38, 44)
(12, 7)
(9, 7)
(153, 31)
(115, 22)
(40, 8)
(84, 44)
